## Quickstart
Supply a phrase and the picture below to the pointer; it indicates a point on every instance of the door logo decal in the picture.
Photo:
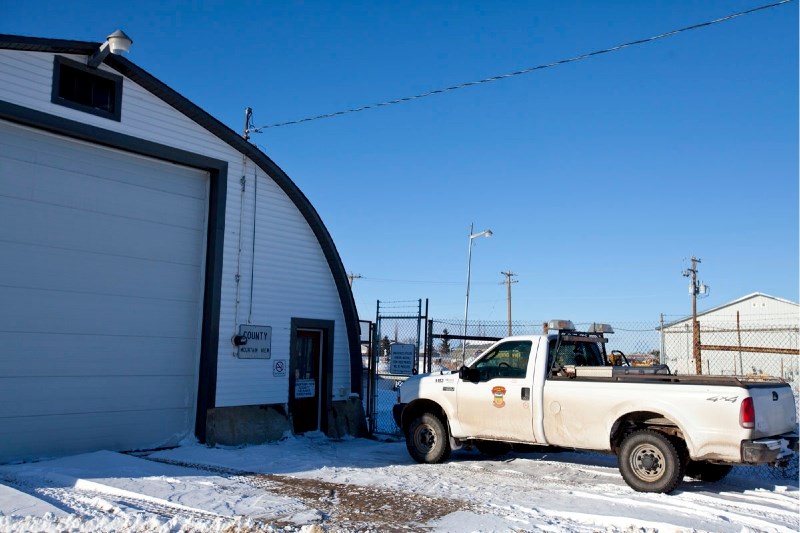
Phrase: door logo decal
(498, 396)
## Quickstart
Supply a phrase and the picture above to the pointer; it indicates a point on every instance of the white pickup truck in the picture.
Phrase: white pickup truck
(560, 389)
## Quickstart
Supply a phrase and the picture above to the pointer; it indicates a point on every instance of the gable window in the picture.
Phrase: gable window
(90, 90)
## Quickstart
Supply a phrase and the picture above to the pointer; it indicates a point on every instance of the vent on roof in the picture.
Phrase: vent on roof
(92, 91)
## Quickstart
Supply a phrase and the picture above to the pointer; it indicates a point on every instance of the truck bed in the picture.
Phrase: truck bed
(660, 373)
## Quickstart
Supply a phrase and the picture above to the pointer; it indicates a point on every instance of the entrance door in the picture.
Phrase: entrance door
(304, 394)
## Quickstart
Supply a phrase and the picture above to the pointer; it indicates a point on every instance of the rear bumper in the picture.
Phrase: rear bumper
(770, 449)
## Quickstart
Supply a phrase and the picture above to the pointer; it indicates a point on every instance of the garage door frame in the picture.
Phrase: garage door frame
(218, 172)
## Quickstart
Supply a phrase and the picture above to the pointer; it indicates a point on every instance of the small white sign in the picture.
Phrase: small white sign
(401, 359)
(279, 368)
(304, 388)
(258, 343)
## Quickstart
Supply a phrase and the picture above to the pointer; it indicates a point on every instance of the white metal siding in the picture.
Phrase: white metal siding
(763, 322)
(101, 269)
(291, 279)
(291, 275)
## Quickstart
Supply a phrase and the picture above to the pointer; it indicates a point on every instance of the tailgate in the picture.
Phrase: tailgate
(775, 409)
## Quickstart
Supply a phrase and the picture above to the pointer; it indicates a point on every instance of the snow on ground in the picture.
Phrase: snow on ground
(312, 484)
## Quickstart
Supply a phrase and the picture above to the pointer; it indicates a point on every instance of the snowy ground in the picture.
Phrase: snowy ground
(312, 484)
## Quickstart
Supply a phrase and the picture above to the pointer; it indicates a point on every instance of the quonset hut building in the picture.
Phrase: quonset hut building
(149, 259)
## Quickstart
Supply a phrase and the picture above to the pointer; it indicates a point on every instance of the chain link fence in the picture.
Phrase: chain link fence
(453, 345)
(732, 349)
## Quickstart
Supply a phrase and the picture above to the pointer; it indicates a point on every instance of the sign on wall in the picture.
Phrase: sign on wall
(401, 359)
(257, 342)
(304, 388)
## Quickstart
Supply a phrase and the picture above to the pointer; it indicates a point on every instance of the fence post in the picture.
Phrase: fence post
(429, 345)
(663, 357)
(739, 336)
(688, 349)
(373, 369)
(698, 360)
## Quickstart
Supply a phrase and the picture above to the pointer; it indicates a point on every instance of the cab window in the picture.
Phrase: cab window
(508, 360)
(570, 353)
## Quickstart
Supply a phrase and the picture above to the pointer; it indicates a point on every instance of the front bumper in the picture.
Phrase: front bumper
(770, 449)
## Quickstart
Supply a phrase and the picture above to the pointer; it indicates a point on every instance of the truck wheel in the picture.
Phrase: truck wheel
(702, 471)
(427, 440)
(649, 462)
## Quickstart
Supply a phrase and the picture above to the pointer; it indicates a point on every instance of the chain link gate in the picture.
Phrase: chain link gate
(396, 323)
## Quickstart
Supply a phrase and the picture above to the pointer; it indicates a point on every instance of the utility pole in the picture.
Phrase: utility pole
(508, 283)
(694, 288)
(351, 277)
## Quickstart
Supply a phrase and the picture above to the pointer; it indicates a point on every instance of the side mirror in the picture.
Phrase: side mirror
(469, 374)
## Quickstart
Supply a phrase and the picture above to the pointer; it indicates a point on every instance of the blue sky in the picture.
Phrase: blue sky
(599, 178)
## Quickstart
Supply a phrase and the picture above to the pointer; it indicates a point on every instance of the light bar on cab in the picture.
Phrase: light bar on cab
(597, 327)
(561, 325)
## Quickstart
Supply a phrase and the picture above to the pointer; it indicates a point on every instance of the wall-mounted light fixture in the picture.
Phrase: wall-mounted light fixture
(116, 43)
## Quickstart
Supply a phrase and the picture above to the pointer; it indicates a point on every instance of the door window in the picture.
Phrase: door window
(306, 357)
(508, 360)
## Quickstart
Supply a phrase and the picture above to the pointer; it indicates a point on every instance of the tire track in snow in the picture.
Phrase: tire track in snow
(97, 502)
(745, 510)
(71, 500)
(708, 508)
(783, 496)
(354, 507)
(748, 510)
(532, 497)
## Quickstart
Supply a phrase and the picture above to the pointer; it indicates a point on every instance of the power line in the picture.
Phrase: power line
(518, 72)
(424, 282)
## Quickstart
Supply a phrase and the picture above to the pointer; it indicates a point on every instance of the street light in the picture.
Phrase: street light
(484, 233)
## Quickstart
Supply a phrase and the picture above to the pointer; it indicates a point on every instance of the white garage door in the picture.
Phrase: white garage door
(101, 263)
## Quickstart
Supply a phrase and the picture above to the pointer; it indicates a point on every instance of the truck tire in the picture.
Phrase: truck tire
(649, 462)
(427, 440)
(703, 471)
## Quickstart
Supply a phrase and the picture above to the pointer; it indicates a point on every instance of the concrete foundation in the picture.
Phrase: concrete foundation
(247, 424)
(347, 418)
(257, 424)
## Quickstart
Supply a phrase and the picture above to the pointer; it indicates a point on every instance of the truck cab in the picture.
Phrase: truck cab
(512, 373)
(497, 396)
